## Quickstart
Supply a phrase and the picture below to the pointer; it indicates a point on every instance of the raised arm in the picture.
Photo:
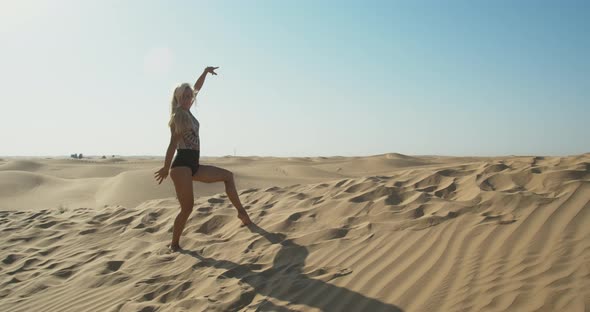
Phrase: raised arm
(201, 80)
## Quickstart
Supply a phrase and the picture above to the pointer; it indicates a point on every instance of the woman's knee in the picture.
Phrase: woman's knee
(228, 176)
(187, 207)
(187, 201)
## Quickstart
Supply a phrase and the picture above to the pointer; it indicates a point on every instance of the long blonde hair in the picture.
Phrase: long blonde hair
(179, 118)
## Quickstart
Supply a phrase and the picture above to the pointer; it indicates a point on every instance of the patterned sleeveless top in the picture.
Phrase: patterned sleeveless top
(190, 138)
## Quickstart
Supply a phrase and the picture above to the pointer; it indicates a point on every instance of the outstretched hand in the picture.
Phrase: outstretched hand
(211, 70)
(161, 174)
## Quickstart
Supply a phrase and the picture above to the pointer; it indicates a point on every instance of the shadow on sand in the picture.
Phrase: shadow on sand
(285, 281)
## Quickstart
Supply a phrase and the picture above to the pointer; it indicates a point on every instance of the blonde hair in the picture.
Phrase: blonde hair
(179, 118)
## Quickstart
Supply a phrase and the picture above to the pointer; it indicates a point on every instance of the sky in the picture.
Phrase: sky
(297, 78)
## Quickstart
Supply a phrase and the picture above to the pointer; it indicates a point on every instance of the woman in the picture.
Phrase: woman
(184, 137)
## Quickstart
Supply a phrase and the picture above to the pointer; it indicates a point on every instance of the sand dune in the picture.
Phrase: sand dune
(95, 183)
(383, 233)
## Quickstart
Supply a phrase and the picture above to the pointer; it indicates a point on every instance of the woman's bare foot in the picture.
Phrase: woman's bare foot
(243, 215)
(174, 247)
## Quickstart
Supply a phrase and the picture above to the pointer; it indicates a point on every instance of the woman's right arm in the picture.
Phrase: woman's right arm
(161, 174)
(171, 148)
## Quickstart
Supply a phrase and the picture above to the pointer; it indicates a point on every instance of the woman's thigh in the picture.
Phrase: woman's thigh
(181, 176)
(210, 174)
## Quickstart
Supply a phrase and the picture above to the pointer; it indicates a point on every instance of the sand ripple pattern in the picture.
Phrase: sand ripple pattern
(499, 235)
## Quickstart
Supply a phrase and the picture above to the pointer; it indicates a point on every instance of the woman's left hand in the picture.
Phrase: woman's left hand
(211, 70)
(161, 174)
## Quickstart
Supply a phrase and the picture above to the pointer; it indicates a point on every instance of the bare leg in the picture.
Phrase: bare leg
(232, 193)
(181, 176)
(179, 224)
(211, 174)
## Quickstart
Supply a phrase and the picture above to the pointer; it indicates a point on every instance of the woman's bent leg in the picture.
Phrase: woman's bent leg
(210, 174)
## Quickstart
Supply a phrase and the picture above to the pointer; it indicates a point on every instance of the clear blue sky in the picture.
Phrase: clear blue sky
(298, 78)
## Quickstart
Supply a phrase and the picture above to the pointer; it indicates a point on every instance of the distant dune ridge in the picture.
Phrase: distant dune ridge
(388, 232)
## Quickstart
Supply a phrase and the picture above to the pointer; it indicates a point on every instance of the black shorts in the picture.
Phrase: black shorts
(187, 158)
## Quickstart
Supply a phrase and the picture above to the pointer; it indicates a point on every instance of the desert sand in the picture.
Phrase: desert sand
(387, 232)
